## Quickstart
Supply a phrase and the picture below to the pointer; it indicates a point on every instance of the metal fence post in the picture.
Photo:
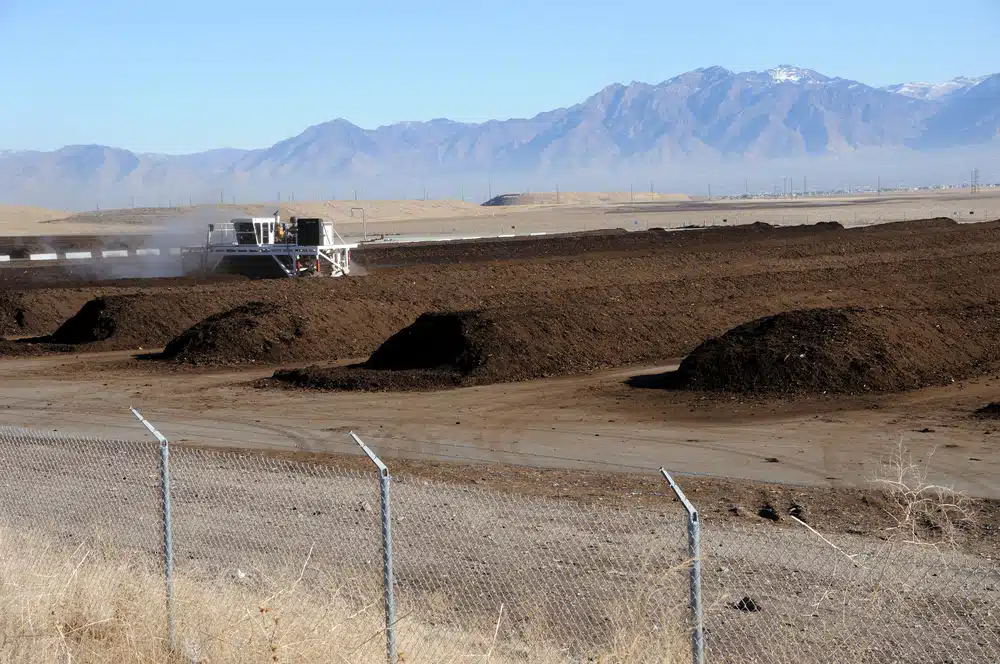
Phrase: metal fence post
(388, 592)
(694, 553)
(168, 528)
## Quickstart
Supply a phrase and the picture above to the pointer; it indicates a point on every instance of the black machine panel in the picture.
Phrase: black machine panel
(310, 232)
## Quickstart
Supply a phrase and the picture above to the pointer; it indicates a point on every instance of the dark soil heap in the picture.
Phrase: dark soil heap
(33, 313)
(13, 314)
(271, 333)
(494, 345)
(843, 350)
(129, 321)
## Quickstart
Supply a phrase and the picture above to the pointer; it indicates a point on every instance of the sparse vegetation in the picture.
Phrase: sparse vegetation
(923, 512)
(83, 605)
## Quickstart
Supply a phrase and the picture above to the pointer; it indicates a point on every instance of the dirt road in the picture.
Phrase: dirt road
(583, 422)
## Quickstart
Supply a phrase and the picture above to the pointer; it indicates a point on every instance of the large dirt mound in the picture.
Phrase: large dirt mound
(493, 345)
(132, 321)
(844, 350)
(35, 313)
(268, 332)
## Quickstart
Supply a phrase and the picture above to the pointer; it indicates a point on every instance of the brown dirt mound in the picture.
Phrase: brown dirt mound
(132, 321)
(844, 350)
(23, 314)
(272, 333)
(494, 345)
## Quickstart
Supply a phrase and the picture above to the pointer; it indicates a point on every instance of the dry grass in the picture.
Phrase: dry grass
(923, 512)
(84, 605)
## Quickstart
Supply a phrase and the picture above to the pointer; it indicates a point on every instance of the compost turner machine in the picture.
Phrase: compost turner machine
(266, 246)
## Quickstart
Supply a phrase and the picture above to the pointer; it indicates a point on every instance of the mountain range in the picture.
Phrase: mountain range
(706, 114)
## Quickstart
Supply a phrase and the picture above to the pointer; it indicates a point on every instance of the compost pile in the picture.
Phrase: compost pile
(130, 321)
(845, 351)
(33, 313)
(245, 334)
(13, 314)
(261, 332)
(491, 345)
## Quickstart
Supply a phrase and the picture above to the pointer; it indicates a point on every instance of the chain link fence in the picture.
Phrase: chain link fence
(280, 561)
(785, 594)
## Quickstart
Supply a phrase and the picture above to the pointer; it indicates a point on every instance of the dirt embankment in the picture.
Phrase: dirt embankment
(845, 351)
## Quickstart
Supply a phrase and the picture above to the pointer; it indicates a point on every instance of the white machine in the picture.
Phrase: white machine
(303, 247)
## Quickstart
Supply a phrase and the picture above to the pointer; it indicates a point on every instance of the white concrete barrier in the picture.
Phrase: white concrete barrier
(114, 253)
(175, 251)
(4, 259)
(43, 257)
(76, 255)
(147, 252)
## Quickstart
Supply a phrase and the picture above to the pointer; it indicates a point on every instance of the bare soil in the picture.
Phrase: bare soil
(989, 411)
(866, 511)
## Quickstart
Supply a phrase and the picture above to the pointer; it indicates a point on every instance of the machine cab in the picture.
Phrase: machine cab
(255, 231)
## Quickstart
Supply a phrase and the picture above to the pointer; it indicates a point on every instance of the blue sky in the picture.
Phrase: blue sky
(181, 76)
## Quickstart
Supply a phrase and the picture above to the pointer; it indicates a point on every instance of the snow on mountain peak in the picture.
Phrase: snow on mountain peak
(790, 74)
(931, 91)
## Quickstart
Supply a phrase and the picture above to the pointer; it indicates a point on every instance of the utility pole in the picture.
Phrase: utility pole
(355, 194)
(746, 188)
(709, 192)
(878, 189)
(650, 190)
(631, 194)
(489, 190)
(805, 188)
(557, 194)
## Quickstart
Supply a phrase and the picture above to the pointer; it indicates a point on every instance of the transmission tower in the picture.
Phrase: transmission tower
(975, 181)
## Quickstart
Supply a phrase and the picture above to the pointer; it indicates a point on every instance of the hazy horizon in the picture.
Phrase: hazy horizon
(894, 168)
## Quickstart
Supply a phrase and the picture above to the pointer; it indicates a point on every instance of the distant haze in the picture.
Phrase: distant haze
(709, 127)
